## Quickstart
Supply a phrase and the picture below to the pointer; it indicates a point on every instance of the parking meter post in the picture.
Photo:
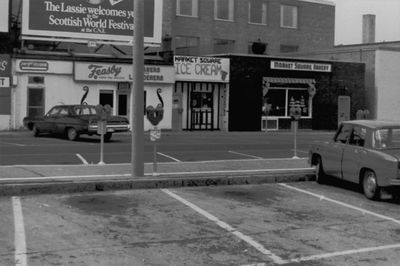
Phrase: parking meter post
(294, 127)
(155, 158)
(101, 128)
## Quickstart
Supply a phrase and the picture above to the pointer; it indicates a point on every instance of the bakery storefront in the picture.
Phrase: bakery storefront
(41, 84)
(264, 89)
(200, 93)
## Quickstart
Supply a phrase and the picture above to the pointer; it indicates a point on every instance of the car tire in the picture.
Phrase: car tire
(35, 131)
(72, 134)
(370, 186)
(107, 136)
(320, 175)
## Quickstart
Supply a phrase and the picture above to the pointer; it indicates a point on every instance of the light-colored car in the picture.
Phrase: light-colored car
(365, 152)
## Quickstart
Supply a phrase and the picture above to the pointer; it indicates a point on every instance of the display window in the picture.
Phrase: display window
(280, 100)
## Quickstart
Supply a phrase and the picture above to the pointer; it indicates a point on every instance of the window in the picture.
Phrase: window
(223, 9)
(223, 46)
(289, 48)
(343, 134)
(277, 99)
(289, 16)
(185, 45)
(187, 8)
(357, 138)
(299, 98)
(258, 11)
(282, 99)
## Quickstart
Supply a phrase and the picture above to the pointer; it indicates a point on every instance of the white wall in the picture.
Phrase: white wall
(387, 82)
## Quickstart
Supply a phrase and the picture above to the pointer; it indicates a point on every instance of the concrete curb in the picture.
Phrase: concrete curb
(73, 186)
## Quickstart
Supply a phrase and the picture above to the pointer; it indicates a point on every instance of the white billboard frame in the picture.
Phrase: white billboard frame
(77, 37)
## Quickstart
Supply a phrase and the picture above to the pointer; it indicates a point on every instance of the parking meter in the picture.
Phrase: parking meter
(295, 113)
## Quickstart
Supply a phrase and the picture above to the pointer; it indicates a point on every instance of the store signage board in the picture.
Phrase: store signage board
(4, 18)
(207, 69)
(5, 70)
(107, 20)
(301, 66)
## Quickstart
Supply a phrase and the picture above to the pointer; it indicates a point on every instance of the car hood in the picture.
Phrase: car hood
(394, 152)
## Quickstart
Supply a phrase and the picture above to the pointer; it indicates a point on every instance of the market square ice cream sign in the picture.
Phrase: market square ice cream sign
(5, 70)
(209, 69)
(90, 19)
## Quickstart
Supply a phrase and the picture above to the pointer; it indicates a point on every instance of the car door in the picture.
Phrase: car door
(47, 125)
(332, 161)
(353, 153)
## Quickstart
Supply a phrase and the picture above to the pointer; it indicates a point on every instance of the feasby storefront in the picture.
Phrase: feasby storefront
(41, 84)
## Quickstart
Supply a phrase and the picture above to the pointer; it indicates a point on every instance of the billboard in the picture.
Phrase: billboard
(4, 10)
(110, 20)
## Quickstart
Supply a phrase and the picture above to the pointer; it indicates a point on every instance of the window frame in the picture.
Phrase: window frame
(264, 4)
(294, 17)
(231, 11)
(194, 12)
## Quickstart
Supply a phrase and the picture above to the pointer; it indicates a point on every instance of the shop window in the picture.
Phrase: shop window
(299, 98)
(289, 16)
(35, 102)
(107, 97)
(223, 9)
(187, 8)
(186, 45)
(223, 46)
(258, 11)
(276, 99)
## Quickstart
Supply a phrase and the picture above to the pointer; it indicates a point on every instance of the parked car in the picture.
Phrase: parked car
(366, 152)
(75, 120)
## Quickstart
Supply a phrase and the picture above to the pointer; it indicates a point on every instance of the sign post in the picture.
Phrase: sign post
(155, 134)
(102, 114)
(295, 114)
(137, 91)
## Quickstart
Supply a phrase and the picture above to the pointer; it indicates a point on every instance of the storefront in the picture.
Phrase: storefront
(200, 93)
(42, 84)
(264, 89)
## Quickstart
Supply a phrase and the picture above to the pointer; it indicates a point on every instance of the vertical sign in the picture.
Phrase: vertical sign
(5, 90)
(4, 15)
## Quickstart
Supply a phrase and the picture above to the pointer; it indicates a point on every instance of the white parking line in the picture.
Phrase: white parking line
(19, 233)
(276, 259)
(363, 211)
(244, 154)
(82, 159)
(13, 144)
(170, 157)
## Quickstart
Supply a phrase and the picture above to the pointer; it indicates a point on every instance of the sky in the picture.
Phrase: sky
(348, 28)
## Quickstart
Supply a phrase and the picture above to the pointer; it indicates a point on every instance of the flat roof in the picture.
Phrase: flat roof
(322, 2)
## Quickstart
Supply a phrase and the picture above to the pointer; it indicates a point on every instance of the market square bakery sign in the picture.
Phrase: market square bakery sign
(110, 20)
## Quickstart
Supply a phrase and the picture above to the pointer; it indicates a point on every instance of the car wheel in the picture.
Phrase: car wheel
(107, 136)
(72, 134)
(35, 131)
(320, 176)
(370, 186)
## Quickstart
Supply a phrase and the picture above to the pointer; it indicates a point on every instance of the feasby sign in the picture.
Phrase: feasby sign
(90, 19)
(5, 70)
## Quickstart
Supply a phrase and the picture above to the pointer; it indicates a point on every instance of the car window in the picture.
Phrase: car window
(64, 111)
(357, 136)
(343, 133)
(387, 138)
(85, 110)
(53, 112)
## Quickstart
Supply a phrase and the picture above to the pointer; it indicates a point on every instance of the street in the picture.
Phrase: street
(23, 149)
(273, 224)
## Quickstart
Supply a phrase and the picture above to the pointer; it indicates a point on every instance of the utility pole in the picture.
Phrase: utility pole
(137, 90)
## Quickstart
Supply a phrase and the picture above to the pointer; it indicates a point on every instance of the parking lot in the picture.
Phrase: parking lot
(274, 224)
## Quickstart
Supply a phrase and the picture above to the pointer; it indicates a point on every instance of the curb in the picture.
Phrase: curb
(59, 187)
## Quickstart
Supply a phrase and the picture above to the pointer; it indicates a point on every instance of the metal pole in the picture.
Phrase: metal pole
(137, 91)
(295, 139)
(102, 146)
(155, 158)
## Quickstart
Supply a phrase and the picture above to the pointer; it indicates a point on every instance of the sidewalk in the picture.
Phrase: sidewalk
(31, 179)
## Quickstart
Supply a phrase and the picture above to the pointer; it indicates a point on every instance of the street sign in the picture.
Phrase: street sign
(155, 134)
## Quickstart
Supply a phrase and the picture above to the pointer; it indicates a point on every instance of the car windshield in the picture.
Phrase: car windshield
(387, 138)
(85, 110)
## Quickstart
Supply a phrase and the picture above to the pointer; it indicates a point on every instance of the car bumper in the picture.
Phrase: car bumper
(109, 128)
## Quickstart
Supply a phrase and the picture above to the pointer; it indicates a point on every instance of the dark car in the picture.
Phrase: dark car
(74, 120)
(365, 152)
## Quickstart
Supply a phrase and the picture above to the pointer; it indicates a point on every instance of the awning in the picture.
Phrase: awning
(268, 80)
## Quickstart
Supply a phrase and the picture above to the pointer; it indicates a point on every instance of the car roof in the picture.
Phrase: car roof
(373, 124)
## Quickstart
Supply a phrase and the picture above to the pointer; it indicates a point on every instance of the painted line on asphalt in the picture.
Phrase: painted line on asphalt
(170, 157)
(306, 152)
(322, 197)
(244, 154)
(346, 252)
(276, 259)
(82, 159)
(19, 233)
(13, 144)
(286, 170)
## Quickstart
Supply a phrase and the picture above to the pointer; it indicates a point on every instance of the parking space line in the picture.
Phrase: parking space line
(19, 233)
(363, 211)
(276, 259)
(170, 157)
(82, 159)
(346, 252)
(13, 144)
(244, 154)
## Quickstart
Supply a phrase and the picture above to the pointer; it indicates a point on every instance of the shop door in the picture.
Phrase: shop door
(106, 97)
(123, 105)
(201, 110)
(35, 102)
